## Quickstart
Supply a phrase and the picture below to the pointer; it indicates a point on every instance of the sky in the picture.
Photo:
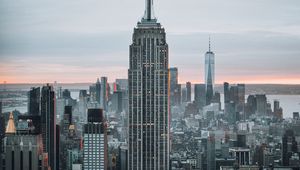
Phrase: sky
(72, 41)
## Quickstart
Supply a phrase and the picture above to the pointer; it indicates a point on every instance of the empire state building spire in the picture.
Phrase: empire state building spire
(149, 11)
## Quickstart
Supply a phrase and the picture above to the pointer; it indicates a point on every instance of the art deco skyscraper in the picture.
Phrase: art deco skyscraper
(209, 75)
(148, 96)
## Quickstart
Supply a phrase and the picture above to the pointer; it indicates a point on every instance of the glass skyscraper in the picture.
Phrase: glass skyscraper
(148, 96)
(209, 75)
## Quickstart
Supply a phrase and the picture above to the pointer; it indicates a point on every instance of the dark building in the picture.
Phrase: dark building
(226, 93)
(189, 91)
(2, 133)
(200, 95)
(123, 158)
(261, 104)
(34, 121)
(104, 93)
(289, 146)
(98, 91)
(175, 88)
(241, 140)
(67, 120)
(250, 106)
(34, 100)
(148, 74)
(57, 157)
(277, 111)
(296, 115)
(66, 94)
(211, 152)
(48, 122)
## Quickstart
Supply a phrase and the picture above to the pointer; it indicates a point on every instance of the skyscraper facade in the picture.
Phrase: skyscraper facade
(175, 88)
(48, 123)
(104, 93)
(200, 97)
(95, 141)
(148, 96)
(188, 91)
(209, 75)
(98, 91)
(34, 97)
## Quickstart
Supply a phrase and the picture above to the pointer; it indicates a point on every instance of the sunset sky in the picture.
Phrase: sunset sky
(69, 41)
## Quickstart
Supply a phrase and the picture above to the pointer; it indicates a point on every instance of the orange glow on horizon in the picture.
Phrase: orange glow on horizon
(183, 80)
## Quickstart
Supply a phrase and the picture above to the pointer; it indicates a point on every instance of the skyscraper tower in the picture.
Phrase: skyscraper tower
(48, 122)
(209, 74)
(34, 97)
(95, 141)
(148, 96)
(104, 93)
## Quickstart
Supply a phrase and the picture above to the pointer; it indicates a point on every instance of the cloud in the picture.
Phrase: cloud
(91, 37)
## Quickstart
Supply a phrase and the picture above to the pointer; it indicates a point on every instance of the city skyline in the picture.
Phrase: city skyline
(255, 42)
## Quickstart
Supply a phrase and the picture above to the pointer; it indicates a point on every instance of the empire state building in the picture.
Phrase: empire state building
(148, 78)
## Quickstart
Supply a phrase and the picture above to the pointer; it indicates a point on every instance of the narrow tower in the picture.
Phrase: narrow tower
(209, 74)
(148, 78)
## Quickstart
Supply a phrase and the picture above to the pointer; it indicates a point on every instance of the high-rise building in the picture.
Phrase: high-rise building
(2, 132)
(184, 95)
(200, 96)
(188, 91)
(278, 112)
(209, 75)
(117, 101)
(104, 93)
(48, 122)
(95, 141)
(289, 146)
(34, 98)
(175, 88)
(261, 104)
(22, 148)
(226, 93)
(98, 91)
(173, 78)
(148, 145)
(211, 152)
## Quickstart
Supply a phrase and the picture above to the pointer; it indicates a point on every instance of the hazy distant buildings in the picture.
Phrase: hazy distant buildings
(148, 145)
(98, 91)
(209, 75)
(95, 141)
(234, 102)
(34, 99)
(48, 122)
(188, 91)
(117, 101)
(261, 104)
(200, 95)
(175, 88)
(277, 111)
(104, 93)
